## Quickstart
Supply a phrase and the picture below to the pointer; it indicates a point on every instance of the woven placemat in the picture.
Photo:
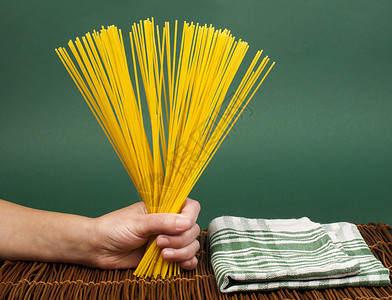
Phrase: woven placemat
(38, 280)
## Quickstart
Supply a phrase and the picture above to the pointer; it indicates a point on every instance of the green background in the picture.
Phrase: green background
(315, 141)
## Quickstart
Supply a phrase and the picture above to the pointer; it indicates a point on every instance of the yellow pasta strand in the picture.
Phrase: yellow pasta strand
(185, 97)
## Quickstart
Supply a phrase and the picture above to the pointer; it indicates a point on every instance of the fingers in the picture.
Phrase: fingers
(181, 248)
(181, 255)
(180, 240)
(169, 224)
(191, 210)
(176, 233)
(189, 264)
(153, 224)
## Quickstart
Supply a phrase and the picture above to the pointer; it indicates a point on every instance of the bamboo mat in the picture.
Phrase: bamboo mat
(38, 280)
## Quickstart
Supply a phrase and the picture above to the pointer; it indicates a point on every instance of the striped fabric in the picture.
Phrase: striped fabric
(259, 254)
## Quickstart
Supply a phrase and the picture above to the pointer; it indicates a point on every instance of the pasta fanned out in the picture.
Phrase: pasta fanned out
(185, 92)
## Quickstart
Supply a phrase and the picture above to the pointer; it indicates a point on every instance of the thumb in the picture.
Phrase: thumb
(163, 223)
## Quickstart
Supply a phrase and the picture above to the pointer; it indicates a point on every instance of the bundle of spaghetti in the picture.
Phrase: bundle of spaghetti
(184, 90)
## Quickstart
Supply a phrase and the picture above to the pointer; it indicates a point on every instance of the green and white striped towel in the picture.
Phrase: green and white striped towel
(259, 254)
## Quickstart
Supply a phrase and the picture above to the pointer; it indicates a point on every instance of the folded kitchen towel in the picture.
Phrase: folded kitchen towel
(260, 254)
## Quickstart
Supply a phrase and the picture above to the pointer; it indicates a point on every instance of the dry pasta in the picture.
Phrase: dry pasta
(184, 82)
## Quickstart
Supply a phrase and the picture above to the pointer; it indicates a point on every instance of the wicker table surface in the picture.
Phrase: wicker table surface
(38, 280)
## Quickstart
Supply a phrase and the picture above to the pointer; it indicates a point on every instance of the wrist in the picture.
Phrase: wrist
(83, 246)
(69, 239)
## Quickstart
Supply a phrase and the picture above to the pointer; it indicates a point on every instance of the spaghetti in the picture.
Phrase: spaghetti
(184, 93)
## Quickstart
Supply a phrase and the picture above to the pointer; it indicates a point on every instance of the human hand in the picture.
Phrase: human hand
(120, 237)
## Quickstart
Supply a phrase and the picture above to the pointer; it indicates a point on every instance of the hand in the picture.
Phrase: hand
(120, 237)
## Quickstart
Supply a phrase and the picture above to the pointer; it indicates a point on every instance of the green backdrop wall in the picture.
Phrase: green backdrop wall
(316, 140)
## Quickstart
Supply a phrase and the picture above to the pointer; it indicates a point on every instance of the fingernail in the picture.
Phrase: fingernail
(182, 223)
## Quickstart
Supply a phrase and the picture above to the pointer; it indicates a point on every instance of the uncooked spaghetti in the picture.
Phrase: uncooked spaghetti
(184, 91)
